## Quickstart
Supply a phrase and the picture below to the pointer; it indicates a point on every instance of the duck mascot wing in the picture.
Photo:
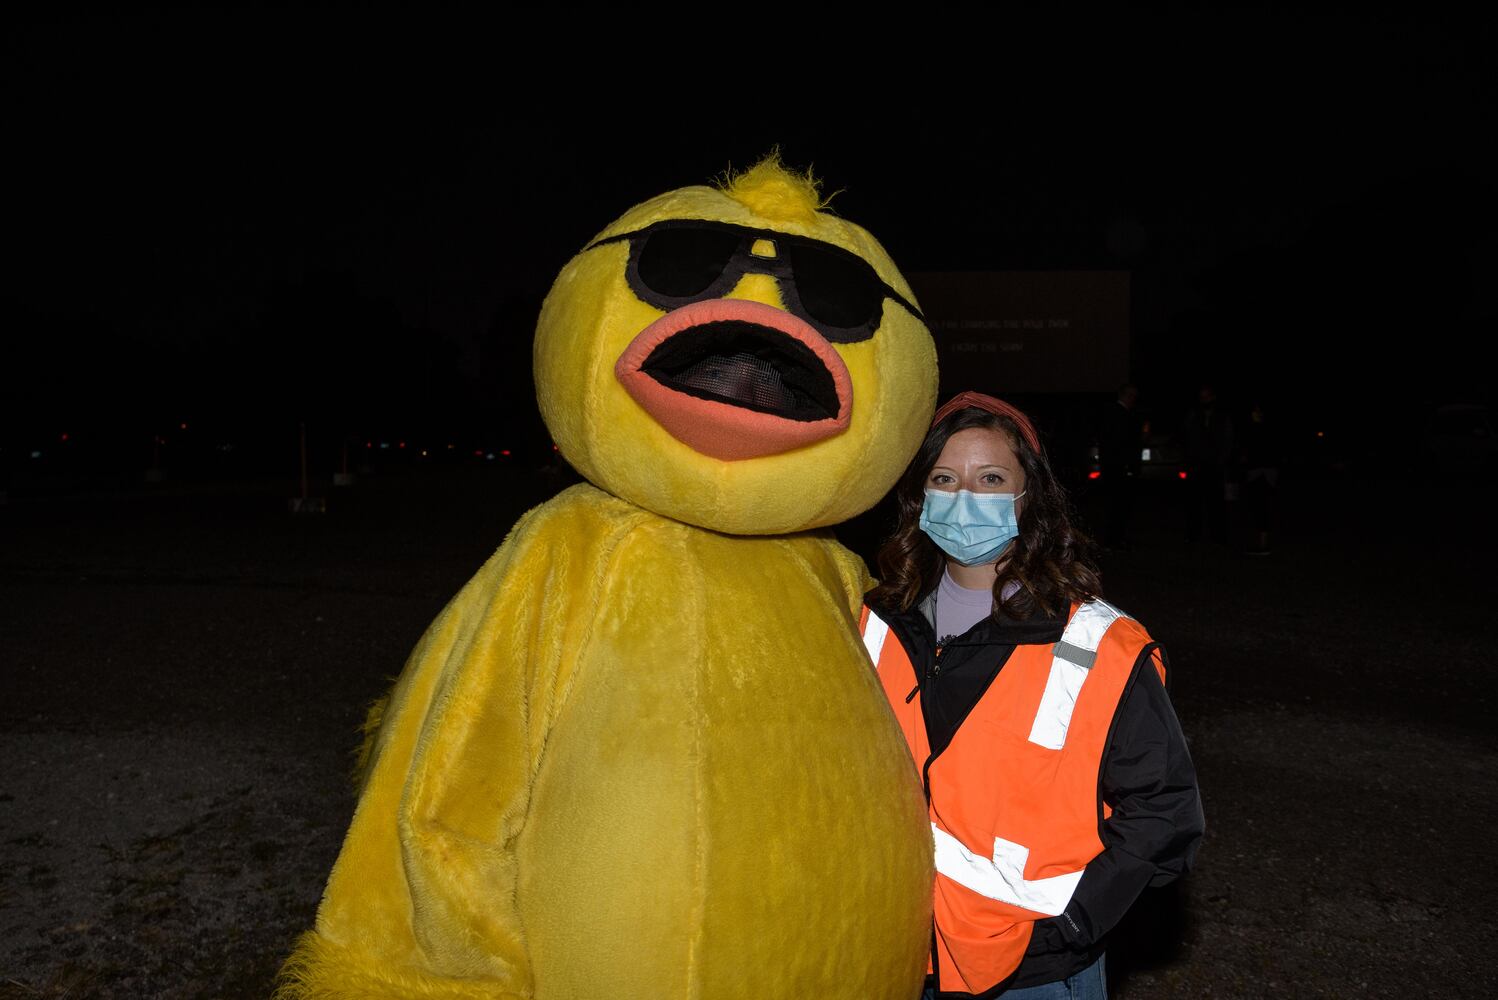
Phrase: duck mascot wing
(642, 753)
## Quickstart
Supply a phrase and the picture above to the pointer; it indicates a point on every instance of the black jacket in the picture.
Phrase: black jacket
(1147, 780)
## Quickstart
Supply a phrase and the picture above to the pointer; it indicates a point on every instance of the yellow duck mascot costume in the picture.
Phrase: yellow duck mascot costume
(642, 754)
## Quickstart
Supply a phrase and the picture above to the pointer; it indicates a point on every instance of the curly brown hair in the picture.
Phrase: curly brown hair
(1051, 561)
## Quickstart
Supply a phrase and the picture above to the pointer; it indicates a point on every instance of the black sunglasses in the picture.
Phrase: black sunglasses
(675, 262)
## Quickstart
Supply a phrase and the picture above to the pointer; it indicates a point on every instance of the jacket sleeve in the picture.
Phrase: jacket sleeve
(421, 902)
(1156, 824)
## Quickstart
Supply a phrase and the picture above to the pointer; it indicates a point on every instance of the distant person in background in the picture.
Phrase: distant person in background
(1259, 455)
(1120, 444)
(1207, 436)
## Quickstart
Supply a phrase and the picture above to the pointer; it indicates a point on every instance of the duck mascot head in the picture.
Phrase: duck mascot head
(643, 752)
(736, 359)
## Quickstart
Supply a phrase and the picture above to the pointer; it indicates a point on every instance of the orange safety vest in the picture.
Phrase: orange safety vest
(1014, 798)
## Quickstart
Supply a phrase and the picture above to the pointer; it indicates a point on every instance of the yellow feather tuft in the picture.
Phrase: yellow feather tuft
(774, 192)
(370, 732)
(320, 970)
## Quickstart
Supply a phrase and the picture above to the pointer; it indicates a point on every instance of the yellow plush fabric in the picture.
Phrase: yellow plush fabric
(643, 754)
(590, 317)
(773, 192)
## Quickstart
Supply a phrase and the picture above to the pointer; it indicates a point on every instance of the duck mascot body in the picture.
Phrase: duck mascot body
(642, 753)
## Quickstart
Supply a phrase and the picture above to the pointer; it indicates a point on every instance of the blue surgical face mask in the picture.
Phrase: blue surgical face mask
(973, 528)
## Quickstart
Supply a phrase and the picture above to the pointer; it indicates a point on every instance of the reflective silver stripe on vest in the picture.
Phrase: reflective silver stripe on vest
(1003, 877)
(1071, 659)
(875, 631)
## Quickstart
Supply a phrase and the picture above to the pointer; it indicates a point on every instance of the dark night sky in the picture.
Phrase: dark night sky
(216, 192)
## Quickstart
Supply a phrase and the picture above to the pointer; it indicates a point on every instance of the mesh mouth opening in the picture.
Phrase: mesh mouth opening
(745, 364)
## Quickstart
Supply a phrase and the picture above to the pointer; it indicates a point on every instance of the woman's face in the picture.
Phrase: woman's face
(980, 460)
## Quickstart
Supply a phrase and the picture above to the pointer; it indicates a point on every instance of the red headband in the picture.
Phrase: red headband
(977, 400)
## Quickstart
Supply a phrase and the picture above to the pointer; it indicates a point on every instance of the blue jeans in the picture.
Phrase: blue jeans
(1089, 984)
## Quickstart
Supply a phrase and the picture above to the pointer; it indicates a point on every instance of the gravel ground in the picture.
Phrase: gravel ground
(184, 673)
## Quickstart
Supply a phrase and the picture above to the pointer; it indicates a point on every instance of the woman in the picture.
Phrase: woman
(1058, 779)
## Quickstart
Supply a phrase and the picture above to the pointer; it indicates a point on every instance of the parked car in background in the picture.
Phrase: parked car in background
(1160, 459)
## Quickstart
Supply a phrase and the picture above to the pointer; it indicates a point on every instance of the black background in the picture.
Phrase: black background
(242, 218)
